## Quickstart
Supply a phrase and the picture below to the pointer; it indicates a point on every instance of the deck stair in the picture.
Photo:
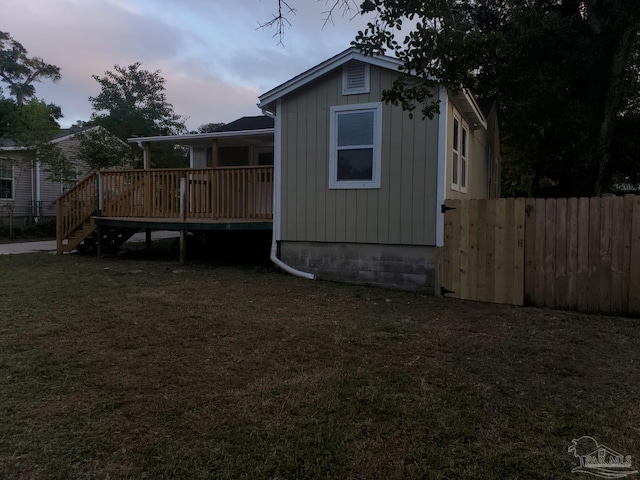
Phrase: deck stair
(78, 236)
(74, 210)
(112, 239)
(75, 223)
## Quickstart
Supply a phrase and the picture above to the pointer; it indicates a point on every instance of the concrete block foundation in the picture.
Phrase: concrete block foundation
(406, 267)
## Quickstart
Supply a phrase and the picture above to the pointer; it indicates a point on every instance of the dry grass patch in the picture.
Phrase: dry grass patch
(142, 369)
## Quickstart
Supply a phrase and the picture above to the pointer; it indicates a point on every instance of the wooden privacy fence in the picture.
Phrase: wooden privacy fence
(576, 253)
(584, 253)
(483, 256)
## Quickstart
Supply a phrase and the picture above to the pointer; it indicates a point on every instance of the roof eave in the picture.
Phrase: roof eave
(202, 136)
(267, 99)
(12, 149)
(471, 109)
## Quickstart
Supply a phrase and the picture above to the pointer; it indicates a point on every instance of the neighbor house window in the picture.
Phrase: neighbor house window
(460, 156)
(355, 144)
(71, 181)
(6, 179)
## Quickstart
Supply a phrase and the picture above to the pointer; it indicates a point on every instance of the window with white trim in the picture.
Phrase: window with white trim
(464, 164)
(460, 156)
(354, 144)
(6, 179)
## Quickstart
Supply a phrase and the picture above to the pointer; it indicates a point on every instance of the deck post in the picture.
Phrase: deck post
(183, 247)
(147, 239)
(99, 243)
(183, 198)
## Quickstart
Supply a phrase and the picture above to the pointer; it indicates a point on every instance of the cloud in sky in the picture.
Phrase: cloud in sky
(215, 59)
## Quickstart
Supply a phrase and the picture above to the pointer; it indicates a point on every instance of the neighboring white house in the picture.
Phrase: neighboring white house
(25, 188)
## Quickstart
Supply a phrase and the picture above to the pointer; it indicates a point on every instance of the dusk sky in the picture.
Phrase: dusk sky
(214, 58)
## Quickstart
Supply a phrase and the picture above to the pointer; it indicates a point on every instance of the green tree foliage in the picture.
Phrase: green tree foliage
(132, 103)
(102, 150)
(32, 126)
(27, 120)
(33, 122)
(20, 71)
(210, 127)
(565, 73)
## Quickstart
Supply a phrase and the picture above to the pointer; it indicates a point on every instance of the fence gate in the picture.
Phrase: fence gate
(483, 254)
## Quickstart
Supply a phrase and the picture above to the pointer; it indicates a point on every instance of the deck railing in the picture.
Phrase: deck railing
(209, 193)
(76, 205)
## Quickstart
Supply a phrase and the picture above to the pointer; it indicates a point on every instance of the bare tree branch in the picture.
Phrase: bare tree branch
(347, 7)
(280, 21)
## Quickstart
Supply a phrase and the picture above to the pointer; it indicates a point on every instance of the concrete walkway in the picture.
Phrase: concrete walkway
(50, 245)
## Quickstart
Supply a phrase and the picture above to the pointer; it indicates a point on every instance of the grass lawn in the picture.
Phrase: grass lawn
(132, 368)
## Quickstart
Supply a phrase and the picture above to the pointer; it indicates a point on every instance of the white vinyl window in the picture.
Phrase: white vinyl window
(6, 179)
(460, 156)
(464, 164)
(354, 144)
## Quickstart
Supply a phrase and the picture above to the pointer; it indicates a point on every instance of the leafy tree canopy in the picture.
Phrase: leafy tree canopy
(565, 74)
(101, 150)
(132, 102)
(19, 71)
(210, 127)
(27, 120)
(32, 123)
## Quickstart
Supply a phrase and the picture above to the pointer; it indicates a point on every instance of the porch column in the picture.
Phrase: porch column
(146, 155)
(214, 153)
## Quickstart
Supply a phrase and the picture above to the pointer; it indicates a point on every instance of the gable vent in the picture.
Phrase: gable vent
(355, 78)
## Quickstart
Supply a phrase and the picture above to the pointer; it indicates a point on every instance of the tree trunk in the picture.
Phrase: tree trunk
(613, 97)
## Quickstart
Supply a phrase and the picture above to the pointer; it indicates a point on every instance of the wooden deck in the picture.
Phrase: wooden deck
(227, 198)
(186, 224)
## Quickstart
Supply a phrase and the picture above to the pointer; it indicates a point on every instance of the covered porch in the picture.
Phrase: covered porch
(248, 141)
(229, 187)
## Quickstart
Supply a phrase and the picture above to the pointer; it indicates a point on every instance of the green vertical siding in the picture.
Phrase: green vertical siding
(401, 211)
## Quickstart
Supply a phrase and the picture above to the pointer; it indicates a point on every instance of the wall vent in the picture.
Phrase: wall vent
(355, 78)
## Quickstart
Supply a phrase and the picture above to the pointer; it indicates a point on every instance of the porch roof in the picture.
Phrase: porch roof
(264, 135)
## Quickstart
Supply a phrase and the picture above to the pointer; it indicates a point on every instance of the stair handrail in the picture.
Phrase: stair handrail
(76, 206)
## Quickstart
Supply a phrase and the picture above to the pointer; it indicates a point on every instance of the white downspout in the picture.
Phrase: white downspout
(277, 160)
(33, 189)
(38, 199)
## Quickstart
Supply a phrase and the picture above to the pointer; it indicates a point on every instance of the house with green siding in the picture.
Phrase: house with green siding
(351, 188)
(359, 185)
